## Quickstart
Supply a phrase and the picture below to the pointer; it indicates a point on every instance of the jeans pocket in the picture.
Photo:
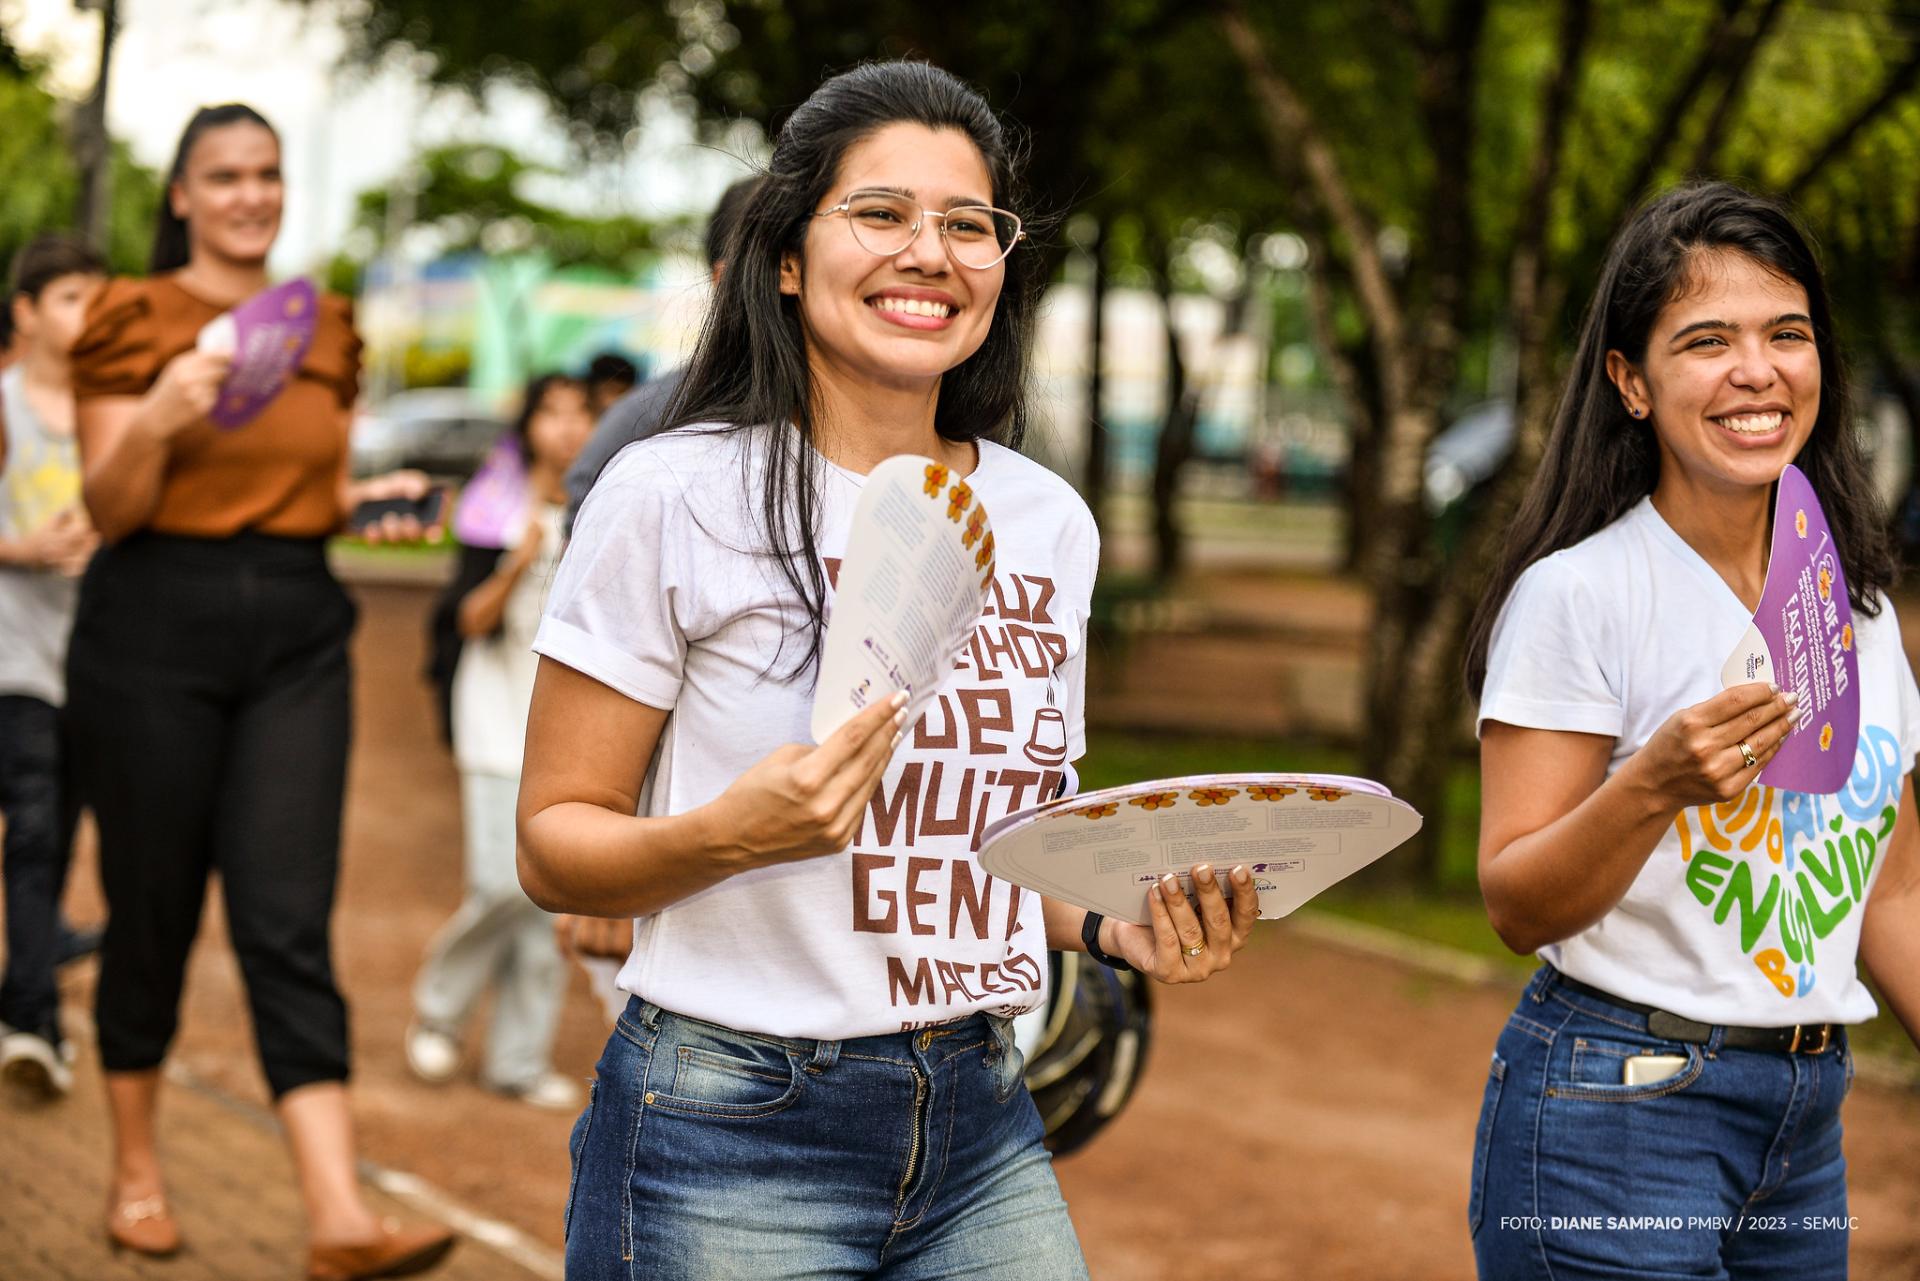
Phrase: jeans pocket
(577, 1144)
(1482, 1140)
(721, 1073)
(1595, 1066)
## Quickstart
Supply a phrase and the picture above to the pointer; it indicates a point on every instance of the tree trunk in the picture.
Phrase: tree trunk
(92, 149)
(1175, 444)
(1403, 574)
(1095, 478)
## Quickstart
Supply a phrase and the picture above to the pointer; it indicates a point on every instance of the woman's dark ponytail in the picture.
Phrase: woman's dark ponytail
(170, 243)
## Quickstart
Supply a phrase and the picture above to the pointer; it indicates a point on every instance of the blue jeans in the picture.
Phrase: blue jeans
(1729, 1171)
(706, 1154)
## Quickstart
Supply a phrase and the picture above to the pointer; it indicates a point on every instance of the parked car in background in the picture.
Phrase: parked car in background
(444, 431)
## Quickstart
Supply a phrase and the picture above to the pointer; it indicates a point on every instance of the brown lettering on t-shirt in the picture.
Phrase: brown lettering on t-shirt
(864, 896)
(997, 649)
(916, 985)
(931, 822)
(981, 722)
(918, 898)
(969, 896)
(924, 895)
(888, 813)
(923, 735)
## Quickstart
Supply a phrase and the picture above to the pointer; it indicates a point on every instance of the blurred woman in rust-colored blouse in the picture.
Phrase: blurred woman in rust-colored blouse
(210, 685)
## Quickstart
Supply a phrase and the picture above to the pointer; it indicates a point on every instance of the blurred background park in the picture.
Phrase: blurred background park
(1316, 267)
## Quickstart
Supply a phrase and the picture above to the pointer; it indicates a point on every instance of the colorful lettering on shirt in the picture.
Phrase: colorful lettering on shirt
(1820, 855)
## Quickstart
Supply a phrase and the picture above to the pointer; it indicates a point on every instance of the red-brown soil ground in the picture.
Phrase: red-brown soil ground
(1308, 1115)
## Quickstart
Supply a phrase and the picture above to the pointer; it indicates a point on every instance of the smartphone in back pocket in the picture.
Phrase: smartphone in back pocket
(1649, 1069)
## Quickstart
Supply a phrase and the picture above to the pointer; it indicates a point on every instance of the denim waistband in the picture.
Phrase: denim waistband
(1666, 1025)
(902, 1046)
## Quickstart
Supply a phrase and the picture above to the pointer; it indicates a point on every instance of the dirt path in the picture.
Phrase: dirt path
(1331, 1096)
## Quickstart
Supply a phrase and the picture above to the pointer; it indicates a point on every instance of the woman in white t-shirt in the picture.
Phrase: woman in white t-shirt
(1666, 1099)
(815, 1075)
(509, 534)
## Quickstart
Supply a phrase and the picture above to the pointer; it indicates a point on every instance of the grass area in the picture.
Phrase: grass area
(358, 549)
(1114, 758)
(1452, 915)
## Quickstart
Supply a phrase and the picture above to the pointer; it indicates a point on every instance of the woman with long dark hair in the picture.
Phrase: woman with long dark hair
(498, 941)
(210, 686)
(814, 1075)
(1665, 1101)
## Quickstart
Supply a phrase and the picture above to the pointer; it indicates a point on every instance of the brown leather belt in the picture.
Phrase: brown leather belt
(1801, 1038)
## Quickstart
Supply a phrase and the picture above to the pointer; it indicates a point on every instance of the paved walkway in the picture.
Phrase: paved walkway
(231, 1185)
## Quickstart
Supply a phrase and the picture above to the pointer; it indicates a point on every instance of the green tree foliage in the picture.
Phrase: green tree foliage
(1520, 135)
(1456, 168)
(471, 196)
(41, 185)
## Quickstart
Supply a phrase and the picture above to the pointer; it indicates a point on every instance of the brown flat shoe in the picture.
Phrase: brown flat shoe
(397, 1252)
(145, 1226)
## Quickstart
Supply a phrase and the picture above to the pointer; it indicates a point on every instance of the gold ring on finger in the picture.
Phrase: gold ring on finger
(1746, 754)
(1196, 949)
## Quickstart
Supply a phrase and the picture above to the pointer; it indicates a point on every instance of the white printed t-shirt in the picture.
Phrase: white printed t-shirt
(1746, 913)
(493, 681)
(663, 597)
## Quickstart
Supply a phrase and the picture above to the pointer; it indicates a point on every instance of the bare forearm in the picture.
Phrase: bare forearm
(1890, 946)
(588, 860)
(122, 490)
(1063, 925)
(482, 608)
(18, 553)
(1553, 883)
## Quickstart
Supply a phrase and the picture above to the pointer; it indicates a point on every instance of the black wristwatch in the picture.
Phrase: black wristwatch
(1090, 935)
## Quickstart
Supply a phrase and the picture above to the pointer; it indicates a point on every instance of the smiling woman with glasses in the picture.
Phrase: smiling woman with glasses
(815, 1074)
(886, 222)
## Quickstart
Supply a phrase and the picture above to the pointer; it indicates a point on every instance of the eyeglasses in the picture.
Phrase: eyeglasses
(977, 236)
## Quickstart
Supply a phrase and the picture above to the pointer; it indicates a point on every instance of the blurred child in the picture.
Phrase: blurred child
(498, 937)
(45, 542)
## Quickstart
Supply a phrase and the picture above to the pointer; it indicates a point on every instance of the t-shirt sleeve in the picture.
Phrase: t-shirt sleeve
(118, 352)
(1552, 662)
(1073, 672)
(334, 357)
(623, 598)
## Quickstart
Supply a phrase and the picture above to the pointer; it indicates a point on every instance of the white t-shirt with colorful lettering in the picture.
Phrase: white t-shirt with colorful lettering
(663, 597)
(1746, 913)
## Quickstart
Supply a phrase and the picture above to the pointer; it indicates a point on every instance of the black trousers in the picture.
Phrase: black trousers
(40, 808)
(209, 696)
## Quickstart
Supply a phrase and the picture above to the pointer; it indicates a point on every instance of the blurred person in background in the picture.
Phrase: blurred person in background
(609, 377)
(210, 690)
(498, 939)
(642, 412)
(7, 352)
(45, 542)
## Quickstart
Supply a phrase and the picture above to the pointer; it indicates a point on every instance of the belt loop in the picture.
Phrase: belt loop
(1002, 1032)
(1543, 982)
(825, 1055)
(1714, 1040)
(650, 1015)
